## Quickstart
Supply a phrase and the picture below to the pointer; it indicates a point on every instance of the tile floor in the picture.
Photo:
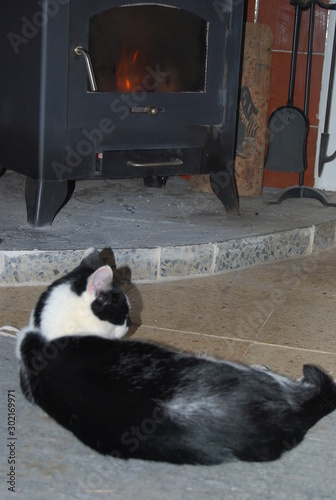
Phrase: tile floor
(280, 314)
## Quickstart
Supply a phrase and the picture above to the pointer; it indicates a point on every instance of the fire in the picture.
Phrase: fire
(128, 75)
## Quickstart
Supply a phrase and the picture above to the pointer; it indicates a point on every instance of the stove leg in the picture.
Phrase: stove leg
(43, 200)
(157, 182)
(224, 187)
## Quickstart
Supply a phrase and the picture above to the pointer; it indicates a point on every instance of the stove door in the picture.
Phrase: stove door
(150, 63)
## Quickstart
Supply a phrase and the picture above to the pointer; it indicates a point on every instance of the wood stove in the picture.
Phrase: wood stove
(118, 89)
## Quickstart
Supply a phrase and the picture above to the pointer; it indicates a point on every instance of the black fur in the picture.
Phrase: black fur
(136, 400)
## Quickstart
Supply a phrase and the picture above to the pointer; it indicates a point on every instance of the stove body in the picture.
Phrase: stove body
(118, 89)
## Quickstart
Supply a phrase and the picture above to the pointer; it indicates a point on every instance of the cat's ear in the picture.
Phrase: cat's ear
(91, 258)
(100, 280)
(88, 252)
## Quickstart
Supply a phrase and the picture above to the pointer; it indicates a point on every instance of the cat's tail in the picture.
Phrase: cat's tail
(322, 399)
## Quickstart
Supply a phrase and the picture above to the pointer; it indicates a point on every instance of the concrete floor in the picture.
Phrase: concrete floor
(160, 234)
(125, 214)
(280, 314)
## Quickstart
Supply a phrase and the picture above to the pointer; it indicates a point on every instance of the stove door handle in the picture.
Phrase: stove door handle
(150, 110)
(79, 50)
(173, 163)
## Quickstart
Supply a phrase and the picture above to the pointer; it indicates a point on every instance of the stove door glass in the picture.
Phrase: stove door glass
(148, 47)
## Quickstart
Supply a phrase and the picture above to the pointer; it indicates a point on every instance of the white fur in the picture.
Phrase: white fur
(189, 406)
(75, 318)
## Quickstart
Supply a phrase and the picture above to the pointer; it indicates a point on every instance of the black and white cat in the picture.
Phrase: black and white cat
(132, 399)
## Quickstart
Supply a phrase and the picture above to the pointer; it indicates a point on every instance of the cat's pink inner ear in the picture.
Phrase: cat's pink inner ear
(100, 280)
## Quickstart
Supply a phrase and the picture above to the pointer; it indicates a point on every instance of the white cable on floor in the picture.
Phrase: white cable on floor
(9, 331)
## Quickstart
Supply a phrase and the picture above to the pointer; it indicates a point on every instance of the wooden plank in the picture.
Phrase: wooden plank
(253, 114)
(253, 109)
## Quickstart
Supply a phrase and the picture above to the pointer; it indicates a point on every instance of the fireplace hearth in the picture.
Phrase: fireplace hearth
(118, 89)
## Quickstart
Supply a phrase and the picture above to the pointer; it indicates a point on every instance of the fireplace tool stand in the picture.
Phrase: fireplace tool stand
(297, 163)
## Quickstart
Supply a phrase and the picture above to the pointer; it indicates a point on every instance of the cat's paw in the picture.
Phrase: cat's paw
(263, 368)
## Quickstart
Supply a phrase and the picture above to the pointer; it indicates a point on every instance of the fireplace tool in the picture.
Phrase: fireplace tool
(288, 125)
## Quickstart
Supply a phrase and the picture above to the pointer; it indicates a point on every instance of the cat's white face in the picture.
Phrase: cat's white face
(66, 313)
(89, 305)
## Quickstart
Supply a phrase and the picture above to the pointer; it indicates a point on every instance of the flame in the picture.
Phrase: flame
(127, 72)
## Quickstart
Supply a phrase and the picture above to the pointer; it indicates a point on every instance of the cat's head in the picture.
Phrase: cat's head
(85, 301)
